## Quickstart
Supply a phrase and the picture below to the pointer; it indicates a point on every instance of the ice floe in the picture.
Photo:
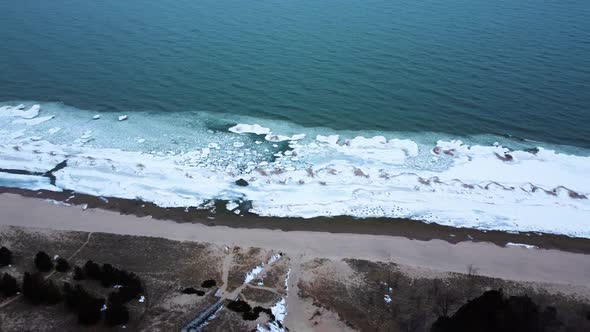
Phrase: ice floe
(33, 122)
(249, 129)
(20, 112)
(489, 187)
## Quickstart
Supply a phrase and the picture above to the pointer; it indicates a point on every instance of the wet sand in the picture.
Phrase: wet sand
(219, 216)
(513, 263)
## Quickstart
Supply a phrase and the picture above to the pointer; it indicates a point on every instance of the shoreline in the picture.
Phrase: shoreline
(220, 216)
(511, 263)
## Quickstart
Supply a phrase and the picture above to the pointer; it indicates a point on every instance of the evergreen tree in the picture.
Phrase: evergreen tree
(92, 270)
(62, 265)
(5, 256)
(8, 285)
(116, 313)
(43, 262)
(78, 273)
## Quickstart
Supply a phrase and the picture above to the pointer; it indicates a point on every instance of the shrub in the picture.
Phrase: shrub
(30, 292)
(78, 273)
(208, 283)
(43, 262)
(51, 293)
(250, 315)
(259, 309)
(116, 313)
(239, 306)
(492, 312)
(72, 295)
(92, 270)
(80, 301)
(5, 256)
(189, 290)
(8, 285)
(89, 312)
(37, 290)
(130, 286)
(62, 265)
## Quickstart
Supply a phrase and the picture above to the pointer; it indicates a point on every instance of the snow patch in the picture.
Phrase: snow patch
(274, 258)
(249, 129)
(253, 274)
(19, 112)
(521, 245)
(33, 122)
(53, 130)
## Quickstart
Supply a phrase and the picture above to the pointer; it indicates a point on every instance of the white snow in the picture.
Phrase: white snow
(249, 129)
(231, 206)
(253, 274)
(279, 310)
(33, 122)
(274, 258)
(521, 245)
(54, 202)
(30, 182)
(96, 117)
(87, 134)
(281, 138)
(53, 130)
(387, 298)
(122, 117)
(19, 112)
(330, 139)
(449, 183)
(287, 280)
(142, 299)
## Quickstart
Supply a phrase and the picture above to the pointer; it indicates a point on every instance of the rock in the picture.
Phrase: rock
(242, 183)
(96, 117)
(122, 117)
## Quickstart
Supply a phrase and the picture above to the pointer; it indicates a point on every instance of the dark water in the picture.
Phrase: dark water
(515, 67)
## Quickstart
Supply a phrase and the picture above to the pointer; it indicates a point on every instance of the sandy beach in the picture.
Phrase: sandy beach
(328, 281)
(514, 263)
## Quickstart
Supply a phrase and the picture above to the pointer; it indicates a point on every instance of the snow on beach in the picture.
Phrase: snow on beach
(521, 245)
(253, 274)
(307, 174)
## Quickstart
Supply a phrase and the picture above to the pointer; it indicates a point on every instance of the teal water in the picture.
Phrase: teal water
(506, 67)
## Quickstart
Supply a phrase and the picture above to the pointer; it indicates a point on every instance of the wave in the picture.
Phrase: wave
(300, 172)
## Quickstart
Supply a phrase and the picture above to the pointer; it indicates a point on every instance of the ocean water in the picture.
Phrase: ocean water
(508, 67)
(465, 113)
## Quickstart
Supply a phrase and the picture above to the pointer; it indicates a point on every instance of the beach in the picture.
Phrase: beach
(515, 263)
(313, 266)
(305, 165)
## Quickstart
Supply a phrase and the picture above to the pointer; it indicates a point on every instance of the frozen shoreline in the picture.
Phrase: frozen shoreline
(303, 175)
